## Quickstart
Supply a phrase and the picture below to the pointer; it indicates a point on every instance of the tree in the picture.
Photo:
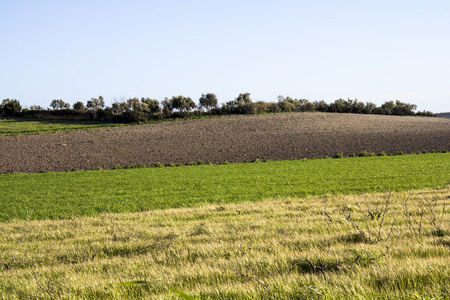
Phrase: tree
(321, 105)
(388, 107)
(182, 103)
(119, 108)
(425, 114)
(78, 106)
(308, 106)
(287, 104)
(166, 107)
(152, 105)
(208, 101)
(58, 104)
(404, 109)
(243, 99)
(273, 107)
(369, 108)
(357, 106)
(10, 106)
(36, 107)
(261, 107)
(242, 104)
(95, 104)
(133, 103)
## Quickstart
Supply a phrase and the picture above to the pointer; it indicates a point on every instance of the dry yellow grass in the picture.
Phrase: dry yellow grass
(280, 249)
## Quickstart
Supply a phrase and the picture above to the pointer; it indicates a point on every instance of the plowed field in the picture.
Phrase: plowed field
(233, 138)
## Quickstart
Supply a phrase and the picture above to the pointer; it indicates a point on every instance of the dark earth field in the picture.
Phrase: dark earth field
(232, 138)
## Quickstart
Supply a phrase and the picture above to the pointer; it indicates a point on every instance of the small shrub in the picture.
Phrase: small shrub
(199, 162)
(382, 153)
(440, 232)
(352, 155)
(225, 162)
(138, 166)
(400, 153)
(353, 238)
(178, 165)
(366, 154)
(117, 167)
(443, 151)
(338, 155)
(94, 169)
(170, 164)
(208, 162)
(424, 151)
(191, 163)
(158, 165)
(257, 160)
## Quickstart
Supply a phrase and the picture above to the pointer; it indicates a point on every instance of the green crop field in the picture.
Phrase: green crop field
(17, 126)
(89, 193)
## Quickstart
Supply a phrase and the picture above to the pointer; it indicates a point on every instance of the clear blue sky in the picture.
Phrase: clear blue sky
(319, 50)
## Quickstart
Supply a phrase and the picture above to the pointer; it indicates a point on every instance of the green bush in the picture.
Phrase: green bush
(366, 154)
(134, 116)
(10, 107)
(440, 232)
(138, 166)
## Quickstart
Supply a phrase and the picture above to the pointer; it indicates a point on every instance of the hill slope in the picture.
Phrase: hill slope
(235, 138)
(446, 115)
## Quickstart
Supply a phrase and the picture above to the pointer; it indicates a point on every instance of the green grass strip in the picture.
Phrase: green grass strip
(19, 126)
(88, 193)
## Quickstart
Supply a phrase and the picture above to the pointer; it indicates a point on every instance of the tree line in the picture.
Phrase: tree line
(136, 110)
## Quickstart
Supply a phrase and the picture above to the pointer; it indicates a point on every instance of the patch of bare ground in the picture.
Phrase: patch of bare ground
(233, 138)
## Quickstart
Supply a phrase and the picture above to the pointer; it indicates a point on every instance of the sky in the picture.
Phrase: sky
(368, 50)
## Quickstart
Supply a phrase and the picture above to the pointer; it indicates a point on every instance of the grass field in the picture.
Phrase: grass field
(90, 193)
(377, 246)
(18, 126)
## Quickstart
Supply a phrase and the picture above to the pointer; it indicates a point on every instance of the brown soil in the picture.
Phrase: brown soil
(233, 138)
